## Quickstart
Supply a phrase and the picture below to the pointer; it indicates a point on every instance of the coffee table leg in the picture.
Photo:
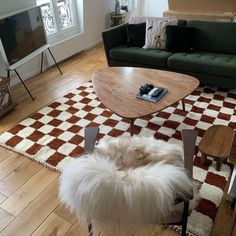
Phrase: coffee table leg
(183, 104)
(131, 127)
(203, 158)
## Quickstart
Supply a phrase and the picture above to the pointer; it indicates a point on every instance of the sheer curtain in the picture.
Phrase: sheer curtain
(140, 7)
(150, 7)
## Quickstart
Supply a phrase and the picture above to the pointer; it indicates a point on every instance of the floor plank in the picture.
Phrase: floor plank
(35, 213)
(5, 218)
(53, 225)
(64, 213)
(155, 230)
(77, 229)
(2, 198)
(151, 230)
(222, 224)
(4, 153)
(18, 177)
(29, 191)
(10, 164)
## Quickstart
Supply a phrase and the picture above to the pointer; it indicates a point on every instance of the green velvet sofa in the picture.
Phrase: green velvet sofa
(213, 60)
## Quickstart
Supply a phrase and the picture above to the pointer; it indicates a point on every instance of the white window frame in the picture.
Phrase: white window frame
(64, 34)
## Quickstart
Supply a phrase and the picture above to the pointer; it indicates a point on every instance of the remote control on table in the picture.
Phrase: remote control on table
(155, 91)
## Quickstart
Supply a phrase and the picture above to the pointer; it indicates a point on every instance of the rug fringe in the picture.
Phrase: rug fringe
(50, 167)
(179, 230)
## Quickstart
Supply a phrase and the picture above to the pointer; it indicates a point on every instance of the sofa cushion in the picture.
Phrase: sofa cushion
(136, 34)
(179, 38)
(219, 37)
(204, 62)
(153, 57)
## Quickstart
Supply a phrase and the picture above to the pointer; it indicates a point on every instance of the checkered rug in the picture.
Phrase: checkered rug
(55, 134)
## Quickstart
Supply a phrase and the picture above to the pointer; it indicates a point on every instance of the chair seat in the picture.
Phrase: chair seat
(130, 180)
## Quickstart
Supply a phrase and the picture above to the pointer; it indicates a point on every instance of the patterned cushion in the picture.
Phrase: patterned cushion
(156, 32)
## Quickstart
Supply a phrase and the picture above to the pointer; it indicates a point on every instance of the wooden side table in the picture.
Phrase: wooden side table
(117, 19)
(217, 142)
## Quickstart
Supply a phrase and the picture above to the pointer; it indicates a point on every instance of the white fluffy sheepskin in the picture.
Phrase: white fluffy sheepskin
(126, 181)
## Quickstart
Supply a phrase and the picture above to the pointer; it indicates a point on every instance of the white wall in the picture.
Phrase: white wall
(8, 6)
(96, 18)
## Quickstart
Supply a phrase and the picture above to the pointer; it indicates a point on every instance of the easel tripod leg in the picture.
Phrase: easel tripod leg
(8, 74)
(41, 63)
(55, 61)
(24, 84)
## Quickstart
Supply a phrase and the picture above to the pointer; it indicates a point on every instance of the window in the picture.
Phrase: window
(60, 19)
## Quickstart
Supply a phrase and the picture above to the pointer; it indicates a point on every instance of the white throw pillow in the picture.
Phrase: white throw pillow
(156, 32)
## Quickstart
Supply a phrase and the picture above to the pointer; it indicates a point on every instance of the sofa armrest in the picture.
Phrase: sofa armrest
(114, 37)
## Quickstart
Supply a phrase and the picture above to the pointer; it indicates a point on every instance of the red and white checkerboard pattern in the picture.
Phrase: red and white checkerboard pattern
(55, 134)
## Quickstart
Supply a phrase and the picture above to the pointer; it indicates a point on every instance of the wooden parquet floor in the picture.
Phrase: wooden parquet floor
(29, 202)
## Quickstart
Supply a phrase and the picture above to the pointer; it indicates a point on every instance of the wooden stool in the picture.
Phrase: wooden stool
(217, 142)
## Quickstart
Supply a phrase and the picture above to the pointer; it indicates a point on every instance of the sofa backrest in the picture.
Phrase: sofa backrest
(142, 19)
(214, 36)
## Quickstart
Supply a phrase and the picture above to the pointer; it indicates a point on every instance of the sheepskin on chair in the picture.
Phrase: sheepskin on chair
(127, 181)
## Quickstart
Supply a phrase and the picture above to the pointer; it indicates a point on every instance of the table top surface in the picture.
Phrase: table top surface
(217, 141)
(116, 87)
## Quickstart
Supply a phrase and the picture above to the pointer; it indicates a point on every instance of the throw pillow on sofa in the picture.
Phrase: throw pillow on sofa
(136, 34)
(179, 38)
(156, 32)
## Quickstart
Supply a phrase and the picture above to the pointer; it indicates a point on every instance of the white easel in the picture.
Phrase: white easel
(13, 67)
(26, 59)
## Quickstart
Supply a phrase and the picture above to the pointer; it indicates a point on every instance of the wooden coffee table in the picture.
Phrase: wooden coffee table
(116, 87)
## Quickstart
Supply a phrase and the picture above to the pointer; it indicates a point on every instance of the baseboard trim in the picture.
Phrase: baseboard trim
(15, 80)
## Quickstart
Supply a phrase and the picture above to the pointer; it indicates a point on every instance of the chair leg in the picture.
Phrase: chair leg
(41, 70)
(219, 163)
(185, 218)
(90, 229)
(90, 135)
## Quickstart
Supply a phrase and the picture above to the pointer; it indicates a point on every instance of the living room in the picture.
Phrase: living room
(43, 130)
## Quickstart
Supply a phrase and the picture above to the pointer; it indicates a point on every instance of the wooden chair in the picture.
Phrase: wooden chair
(189, 139)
